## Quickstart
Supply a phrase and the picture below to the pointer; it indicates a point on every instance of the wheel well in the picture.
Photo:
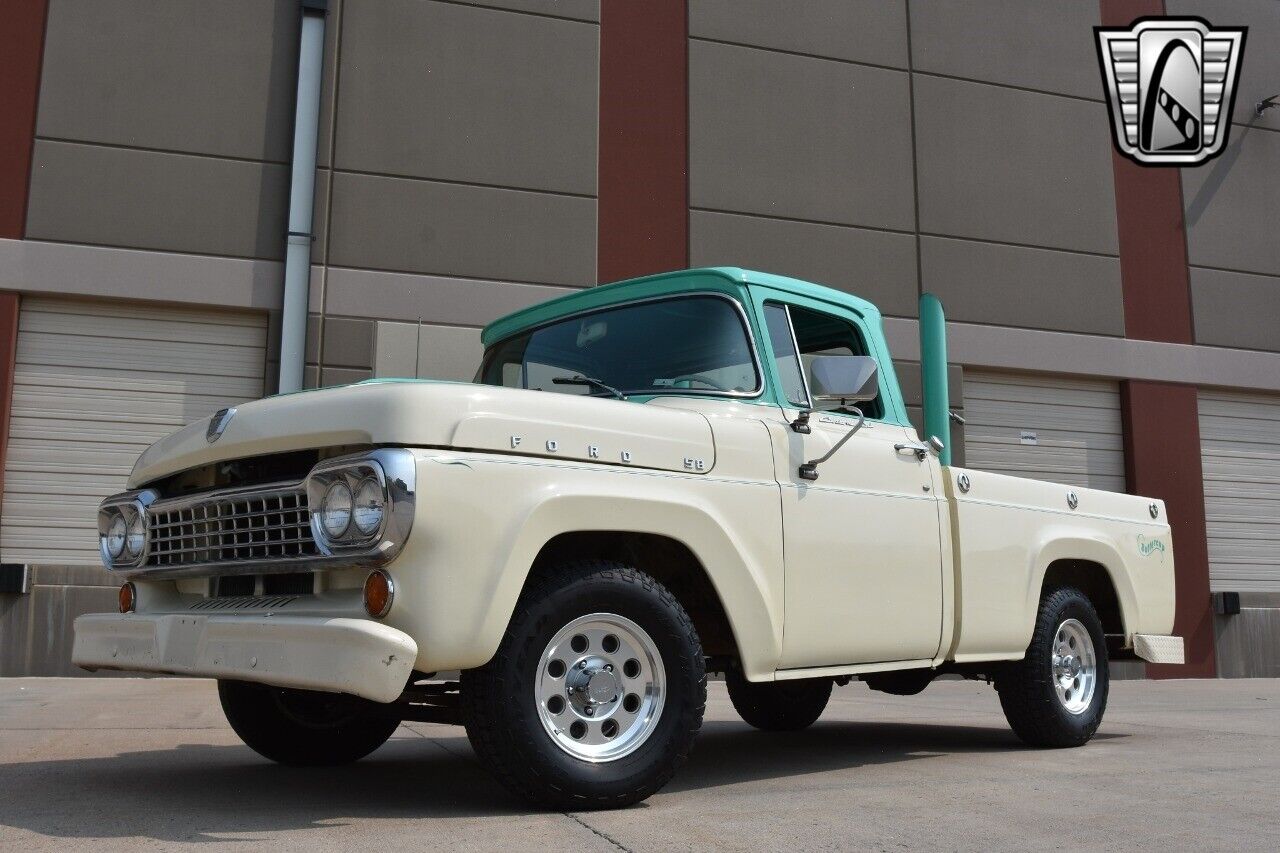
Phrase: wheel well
(667, 560)
(1093, 580)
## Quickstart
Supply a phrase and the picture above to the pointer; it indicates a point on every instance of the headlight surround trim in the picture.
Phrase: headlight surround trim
(393, 471)
(131, 508)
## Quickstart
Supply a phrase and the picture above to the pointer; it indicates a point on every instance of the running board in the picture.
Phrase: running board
(1155, 648)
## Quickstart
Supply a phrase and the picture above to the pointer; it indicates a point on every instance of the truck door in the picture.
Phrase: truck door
(863, 562)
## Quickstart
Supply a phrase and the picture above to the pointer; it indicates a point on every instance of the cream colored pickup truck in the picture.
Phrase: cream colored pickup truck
(709, 470)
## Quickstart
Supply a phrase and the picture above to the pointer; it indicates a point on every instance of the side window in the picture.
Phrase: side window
(821, 334)
(784, 354)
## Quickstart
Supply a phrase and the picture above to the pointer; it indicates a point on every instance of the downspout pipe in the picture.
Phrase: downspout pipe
(933, 369)
(302, 191)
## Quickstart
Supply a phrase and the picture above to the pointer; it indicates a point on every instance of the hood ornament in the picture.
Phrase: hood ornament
(218, 424)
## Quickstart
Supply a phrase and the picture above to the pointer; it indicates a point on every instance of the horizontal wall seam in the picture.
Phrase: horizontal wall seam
(204, 155)
(902, 69)
(1234, 270)
(458, 183)
(528, 12)
(905, 233)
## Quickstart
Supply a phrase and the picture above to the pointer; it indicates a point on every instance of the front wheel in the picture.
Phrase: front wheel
(596, 692)
(1056, 695)
(305, 727)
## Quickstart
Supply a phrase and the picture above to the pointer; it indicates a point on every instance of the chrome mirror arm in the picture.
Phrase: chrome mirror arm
(809, 470)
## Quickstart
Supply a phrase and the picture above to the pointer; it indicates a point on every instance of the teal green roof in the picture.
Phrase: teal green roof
(725, 279)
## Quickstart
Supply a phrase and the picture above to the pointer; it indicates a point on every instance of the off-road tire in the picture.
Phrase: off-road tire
(778, 706)
(304, 727)
(1026, 687)
(500, 707)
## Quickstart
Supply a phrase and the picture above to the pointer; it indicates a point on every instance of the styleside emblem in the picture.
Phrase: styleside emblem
(218, 424)
(1171, 84)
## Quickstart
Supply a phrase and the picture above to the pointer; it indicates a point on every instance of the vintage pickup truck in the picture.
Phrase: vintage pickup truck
(702, 471)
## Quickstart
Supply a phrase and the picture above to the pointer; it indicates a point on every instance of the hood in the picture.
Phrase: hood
(443, 414)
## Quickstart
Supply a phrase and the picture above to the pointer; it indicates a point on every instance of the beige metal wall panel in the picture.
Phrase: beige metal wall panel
(1240, 454)
(1078, 439)
(94, 384)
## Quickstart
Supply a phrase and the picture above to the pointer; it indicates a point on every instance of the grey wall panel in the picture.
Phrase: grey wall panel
(1260, 73)
(582, 10)
(1232, 205)
(1235, 309)
(456, 301)
(461, 93)
(1014, 286)
(180, 75)
(873, 31)
(348, 343)
(1027, 43)
(451, 229)
(1248, 644)
(150, 200)
(1012, 166)
(876, 265)
(796, 137)
(328, 82)
(65, 269)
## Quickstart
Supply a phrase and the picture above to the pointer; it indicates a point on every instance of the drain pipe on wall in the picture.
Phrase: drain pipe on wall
(302, 192)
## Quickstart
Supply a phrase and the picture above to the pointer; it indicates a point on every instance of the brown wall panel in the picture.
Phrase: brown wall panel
(1162, 460)
(21, 43)
(643, 163)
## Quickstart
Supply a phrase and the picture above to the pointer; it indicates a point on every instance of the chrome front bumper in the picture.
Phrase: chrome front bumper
(335, 655)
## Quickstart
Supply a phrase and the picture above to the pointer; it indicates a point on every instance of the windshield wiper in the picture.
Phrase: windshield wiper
(590, 383)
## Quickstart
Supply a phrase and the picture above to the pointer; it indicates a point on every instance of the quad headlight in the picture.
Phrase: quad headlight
(122, 529)
(362, 503)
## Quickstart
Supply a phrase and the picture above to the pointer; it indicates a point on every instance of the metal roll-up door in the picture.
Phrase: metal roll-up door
(94, 384)
(1240, 454)
(1045, 427)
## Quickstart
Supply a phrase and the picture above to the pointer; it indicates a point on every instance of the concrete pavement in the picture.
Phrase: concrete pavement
(149, 763)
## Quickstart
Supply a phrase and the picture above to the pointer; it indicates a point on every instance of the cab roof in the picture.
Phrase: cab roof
(731, 280)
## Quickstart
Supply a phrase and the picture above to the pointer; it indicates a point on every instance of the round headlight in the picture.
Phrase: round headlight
(369, 506)
(136, 536)
(335, 510)
(116, 534)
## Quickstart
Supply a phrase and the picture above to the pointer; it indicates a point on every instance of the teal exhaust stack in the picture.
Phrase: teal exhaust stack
(933, 371)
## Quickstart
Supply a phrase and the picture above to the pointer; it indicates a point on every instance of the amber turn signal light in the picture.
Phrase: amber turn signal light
(128, 598)
(379, 590)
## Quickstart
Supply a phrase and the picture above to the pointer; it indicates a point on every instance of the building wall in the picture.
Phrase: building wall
(478, 157)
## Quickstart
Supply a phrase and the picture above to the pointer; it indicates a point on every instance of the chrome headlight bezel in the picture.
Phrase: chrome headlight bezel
(132, 508)
(393, 470)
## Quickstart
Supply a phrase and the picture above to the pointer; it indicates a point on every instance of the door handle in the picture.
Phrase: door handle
(920, 450)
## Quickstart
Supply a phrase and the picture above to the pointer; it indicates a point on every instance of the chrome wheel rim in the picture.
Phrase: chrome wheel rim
(1075, 666)
(600, 687)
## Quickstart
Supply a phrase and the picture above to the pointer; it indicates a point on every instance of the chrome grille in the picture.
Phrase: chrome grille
(245, 525)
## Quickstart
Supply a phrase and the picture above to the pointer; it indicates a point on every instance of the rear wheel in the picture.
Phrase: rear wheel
(596, 692)
(1056, 695)
(305, 727)
(778, 706)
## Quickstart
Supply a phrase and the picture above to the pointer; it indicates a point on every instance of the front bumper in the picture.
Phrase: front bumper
(336, 655)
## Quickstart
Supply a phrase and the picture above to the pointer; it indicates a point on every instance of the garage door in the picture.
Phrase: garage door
(94, 384)
(1045, 427)
(1240, 453)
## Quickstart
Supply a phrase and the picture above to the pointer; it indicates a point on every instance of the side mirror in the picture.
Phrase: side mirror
(848, 378)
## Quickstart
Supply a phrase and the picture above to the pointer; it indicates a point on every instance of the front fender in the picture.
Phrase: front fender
(482, 520)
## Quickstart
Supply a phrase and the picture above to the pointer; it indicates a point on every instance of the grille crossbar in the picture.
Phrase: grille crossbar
(266, 524)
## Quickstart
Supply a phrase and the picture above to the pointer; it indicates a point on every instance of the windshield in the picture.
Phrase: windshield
(682, 345)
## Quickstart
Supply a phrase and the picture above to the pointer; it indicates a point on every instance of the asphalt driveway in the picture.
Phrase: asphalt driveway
(131, 763)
